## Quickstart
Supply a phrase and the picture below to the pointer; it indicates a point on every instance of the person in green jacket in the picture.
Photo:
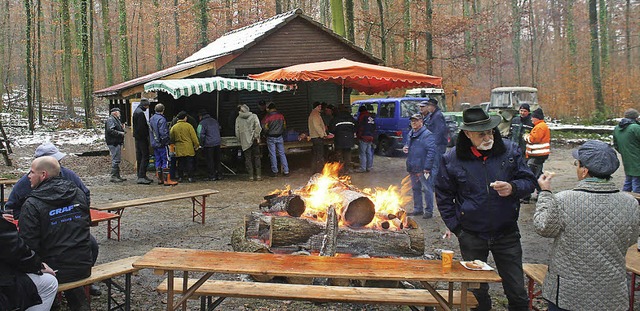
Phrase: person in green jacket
(626, 139)
(184, 137)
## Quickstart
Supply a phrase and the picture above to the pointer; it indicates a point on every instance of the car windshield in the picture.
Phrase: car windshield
(512, 99)
(408, 108)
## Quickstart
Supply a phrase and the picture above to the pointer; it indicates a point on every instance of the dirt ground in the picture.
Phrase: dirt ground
(169, 224)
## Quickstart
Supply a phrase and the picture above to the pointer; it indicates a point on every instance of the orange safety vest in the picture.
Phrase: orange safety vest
(538, 141)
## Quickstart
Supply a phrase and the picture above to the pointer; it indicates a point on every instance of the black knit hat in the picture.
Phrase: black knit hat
(525, 106)
(538, 114)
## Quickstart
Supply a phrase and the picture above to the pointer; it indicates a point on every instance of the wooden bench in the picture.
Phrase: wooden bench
(279, 291)
(105, 273)
(535, 275)
(198, 196)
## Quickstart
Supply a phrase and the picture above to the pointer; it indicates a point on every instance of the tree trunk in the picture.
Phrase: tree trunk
(406, 32)
(38, 69)
(603, 29)
(124, 44)
(66, 57)
(325, 10)
(203, 22)
(596, 79)
(429, 37)
(383, 40)
(176, 25)
(468, 45)
(515, 40)
(108, 47)
(349, 20)
(85, 71)
(157, 36)
(573, 50)
(28, 58)
(337, 17)
(627, 31)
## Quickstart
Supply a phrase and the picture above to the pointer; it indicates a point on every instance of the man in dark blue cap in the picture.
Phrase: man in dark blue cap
(593, 225)
(478, 189)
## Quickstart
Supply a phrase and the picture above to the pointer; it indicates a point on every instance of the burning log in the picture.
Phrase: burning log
(292, 204)
(290, 231)
(358, 210)
(329, 241)
(404, 243)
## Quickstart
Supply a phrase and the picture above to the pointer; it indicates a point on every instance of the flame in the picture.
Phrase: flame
(323, 191)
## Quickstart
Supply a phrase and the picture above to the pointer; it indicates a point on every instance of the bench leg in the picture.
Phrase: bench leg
(114, 229)
(200, 213)
(124, 305)
(530, 292)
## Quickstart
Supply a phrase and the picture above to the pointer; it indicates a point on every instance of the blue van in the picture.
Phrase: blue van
(392, 121)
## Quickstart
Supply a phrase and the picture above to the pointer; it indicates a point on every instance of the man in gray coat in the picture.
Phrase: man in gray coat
(248, 131)
(592, 225)
(114, 137)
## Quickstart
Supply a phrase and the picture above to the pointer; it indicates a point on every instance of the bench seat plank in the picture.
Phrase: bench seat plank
(154, 199)
(103, 272)
(369, 295)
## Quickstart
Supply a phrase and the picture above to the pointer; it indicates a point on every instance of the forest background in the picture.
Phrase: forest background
(582, 55)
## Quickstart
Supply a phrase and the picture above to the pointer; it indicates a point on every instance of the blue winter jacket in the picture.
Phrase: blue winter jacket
(209, 132)
(159, 131)
(465, 199)
(22, 189)
(422, 149)
(438, 126)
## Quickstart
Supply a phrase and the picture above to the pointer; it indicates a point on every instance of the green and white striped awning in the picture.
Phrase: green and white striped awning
(188, 87)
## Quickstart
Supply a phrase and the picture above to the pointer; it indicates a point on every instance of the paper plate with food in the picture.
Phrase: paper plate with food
(476, 265)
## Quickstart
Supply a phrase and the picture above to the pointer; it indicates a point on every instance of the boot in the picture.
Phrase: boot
(167, 178)
(160, 177)
(118, 174)
(114, 175)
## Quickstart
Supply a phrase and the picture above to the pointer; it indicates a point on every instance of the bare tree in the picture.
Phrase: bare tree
(337, 17)
(108, 47)
(596, 79)
(66, 57)
(124, 45)
(157, 37)
(29, 68)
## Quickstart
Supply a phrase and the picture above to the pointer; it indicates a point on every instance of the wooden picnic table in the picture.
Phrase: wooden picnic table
(5, 182)
(632, 261)
(197, 197)
(171, 260)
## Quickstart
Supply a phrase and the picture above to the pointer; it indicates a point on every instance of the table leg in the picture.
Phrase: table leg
(463, 298)
(170, 290)
(185, 285)
(189, 292)
(443, 303)
(450, 294)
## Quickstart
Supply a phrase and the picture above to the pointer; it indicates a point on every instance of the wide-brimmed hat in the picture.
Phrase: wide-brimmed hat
(49, 149)
(598, 157)
(475, 119)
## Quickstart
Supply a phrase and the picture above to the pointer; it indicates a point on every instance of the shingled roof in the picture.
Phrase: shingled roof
(230, 44)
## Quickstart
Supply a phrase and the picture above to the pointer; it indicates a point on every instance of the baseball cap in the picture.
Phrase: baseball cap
(598, 157)
(416, 116)
(49, 149)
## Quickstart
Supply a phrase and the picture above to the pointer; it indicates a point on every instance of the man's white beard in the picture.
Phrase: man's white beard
(486, 145)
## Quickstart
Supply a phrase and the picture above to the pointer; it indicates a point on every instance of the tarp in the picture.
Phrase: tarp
(187, 87)
(363, 77)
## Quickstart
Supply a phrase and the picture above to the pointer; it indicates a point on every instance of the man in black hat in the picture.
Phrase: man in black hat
(114, 136)
(141, 135)
(478, 190)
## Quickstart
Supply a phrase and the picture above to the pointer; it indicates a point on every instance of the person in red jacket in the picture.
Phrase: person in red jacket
(537, 144)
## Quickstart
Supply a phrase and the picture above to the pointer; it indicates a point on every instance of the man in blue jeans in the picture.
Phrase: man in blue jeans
(365, 132)
(420, 150)
(274, 126)
(478, 189)
(435, 123)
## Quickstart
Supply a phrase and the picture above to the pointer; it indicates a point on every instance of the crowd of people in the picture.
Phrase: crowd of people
(477, 186)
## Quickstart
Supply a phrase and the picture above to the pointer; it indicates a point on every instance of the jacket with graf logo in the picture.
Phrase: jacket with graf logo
(55, 224)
